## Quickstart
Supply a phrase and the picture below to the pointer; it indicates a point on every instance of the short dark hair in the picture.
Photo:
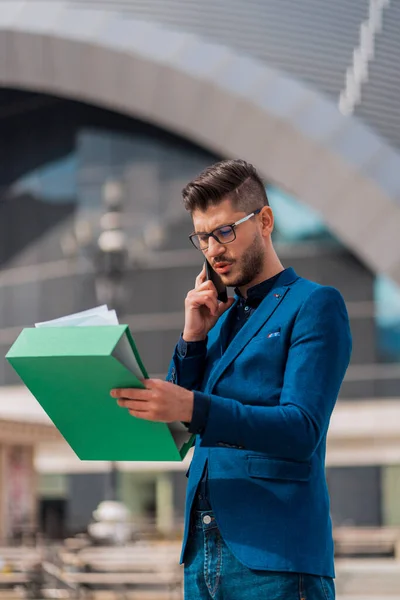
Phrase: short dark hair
(236, 180)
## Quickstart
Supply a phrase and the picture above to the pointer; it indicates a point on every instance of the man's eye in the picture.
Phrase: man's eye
(203, 238)
(224, 232)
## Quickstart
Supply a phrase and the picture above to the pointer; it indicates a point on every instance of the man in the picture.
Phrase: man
(257, 379)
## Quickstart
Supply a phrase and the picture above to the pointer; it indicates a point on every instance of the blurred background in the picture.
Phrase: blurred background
(107, 109)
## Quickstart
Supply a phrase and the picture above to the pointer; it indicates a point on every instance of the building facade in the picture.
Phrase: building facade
(109, 108)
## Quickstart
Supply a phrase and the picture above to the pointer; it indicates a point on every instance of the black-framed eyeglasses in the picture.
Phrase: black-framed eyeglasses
(225, 234)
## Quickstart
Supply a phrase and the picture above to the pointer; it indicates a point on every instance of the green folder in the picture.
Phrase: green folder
(71, 371)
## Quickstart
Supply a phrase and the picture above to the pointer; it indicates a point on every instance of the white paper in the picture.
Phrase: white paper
(99, 315)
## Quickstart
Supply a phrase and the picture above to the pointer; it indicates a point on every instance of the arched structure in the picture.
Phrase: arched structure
(226, 102)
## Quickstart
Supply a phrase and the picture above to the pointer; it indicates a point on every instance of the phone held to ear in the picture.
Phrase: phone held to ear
(217, 281)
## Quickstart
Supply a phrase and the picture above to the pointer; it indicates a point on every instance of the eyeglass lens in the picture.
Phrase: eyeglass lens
(222, 234)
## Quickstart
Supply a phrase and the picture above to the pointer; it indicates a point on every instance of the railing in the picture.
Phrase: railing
(151, 571)
(59, 572)
(367, 542)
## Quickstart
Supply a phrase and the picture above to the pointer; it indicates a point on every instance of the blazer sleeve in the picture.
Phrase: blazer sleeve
(318, 357)
(188, 364)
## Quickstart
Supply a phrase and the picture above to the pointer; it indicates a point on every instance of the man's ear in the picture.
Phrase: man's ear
(267, 220)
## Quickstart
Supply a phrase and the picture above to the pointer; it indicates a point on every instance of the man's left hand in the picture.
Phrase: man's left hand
(160, 401)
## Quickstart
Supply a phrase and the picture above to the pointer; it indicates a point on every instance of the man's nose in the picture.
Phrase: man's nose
(215, 248)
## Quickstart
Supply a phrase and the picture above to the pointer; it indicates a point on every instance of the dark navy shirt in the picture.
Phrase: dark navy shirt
(240, 313)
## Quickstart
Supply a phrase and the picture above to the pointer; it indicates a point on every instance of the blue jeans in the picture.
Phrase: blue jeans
(212, 572)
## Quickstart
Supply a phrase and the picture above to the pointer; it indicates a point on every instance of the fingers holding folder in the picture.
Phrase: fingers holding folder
(159, 401)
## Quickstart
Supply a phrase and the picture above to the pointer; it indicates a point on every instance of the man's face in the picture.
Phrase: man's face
(239, 262)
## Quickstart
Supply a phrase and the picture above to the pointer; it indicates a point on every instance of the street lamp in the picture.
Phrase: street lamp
(110, 258)
(110, 261)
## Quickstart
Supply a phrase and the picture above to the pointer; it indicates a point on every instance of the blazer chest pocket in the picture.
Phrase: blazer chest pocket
(270, 337)
(271, 468)
(267, 345)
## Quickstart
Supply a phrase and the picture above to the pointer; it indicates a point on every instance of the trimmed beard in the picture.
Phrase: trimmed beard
(250, 264)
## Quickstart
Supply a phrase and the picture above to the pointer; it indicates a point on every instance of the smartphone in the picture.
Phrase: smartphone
(217, 281)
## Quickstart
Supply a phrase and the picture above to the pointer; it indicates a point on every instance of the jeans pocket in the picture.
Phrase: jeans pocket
(328, 587)
(313, 587)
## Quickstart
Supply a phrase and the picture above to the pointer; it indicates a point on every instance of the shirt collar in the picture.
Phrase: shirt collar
(257, 293)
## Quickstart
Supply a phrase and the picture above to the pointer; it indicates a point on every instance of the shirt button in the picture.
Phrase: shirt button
(247, 308)
(207, 520)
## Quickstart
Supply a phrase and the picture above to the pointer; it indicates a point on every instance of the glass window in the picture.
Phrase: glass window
(294, 221)
(58, 158)
(53, 182)
(387, 316)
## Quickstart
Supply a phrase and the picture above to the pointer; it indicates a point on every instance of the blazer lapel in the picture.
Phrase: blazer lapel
(220, 331)
(226, 325)
(251, 328)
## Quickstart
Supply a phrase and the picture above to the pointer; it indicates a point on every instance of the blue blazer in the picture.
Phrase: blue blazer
(271, 395)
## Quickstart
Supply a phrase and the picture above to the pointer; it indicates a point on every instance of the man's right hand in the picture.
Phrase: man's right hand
(202, 309)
